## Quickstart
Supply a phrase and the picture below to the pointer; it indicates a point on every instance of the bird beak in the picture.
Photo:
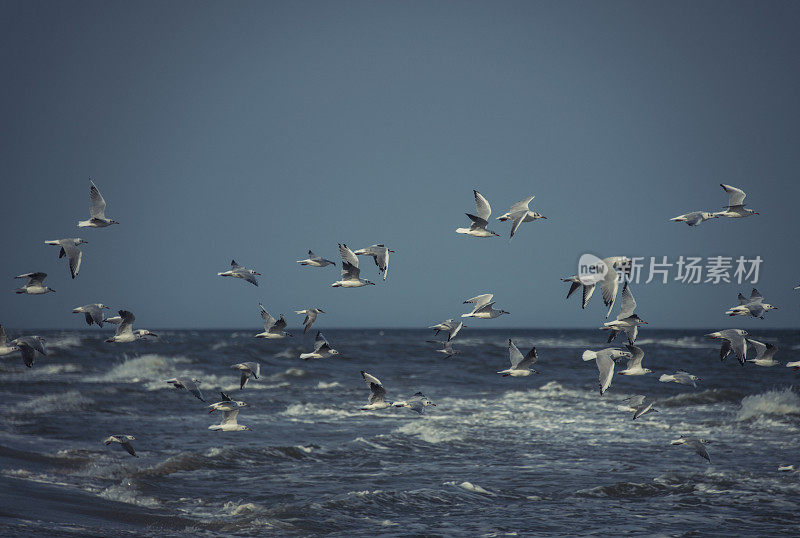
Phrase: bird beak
(756, 213)
(259, 274)
(433, 404)
(544, 217)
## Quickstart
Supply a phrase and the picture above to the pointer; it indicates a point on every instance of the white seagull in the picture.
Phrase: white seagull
(125, 332)
(735, 208)
(69, 248)
(793, 365)
(695, 218)
(483, 308)
(229, 422)
(452, 328)
(635, 362)
(732, 339)
(754, 306)
(610, 283)
(764, 353)
(311, 317)
(227, 404)
(588, 289)
(124, 440)
(97, 210)
(322, 349)
(695, 443)
(315, 261)
(640, 406)
(680, 377)
(35, 285)
(248, 369)
(93, 313)
(28, 346)
(605, 364)
(417, 403)
(237, 271)
(447, 348)
(350, 271)
(479, 221)
(520, 366)
(626, 320)
(272, 328)
(5, 349)
(380, 254)
(191, 385)
(520, 213)
(377, 394)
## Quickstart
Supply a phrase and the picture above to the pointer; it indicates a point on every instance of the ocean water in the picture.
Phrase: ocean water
(542, 455)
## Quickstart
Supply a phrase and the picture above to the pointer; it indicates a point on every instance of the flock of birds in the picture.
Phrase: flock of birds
(627, 321)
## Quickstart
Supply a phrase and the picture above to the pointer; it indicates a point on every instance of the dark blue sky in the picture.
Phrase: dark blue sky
(258, 130)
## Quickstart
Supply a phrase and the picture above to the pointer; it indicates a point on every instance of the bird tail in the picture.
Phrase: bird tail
(589, 355)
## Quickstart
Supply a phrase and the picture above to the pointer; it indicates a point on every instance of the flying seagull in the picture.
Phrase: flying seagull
(764, 353)
(322, 349)
(610, 283)
(34, 285)
(732, 339)
(227, 404)
(520, 213)
(640, 406)
(272, 328)
(626, 320)
(125, 332)
(452, 328)
(97, 210)
(520, 366)
(69, 248)
(124, 440)
(315, 261)
(417, 403)
(5, 349)
(754, 306)
(377, 394)
(192, 385)
(605, 364)
(695, 443)
(735, 208)
(93, 313)
(483, 308)
(380, 254)
(635, 362)
(695, 218)
(28, 346)
(480, 220)
(237, 271)
(311, 317)
(350, 272)
(680, 377)
(447, 348)
(229, 422)
(248, 369)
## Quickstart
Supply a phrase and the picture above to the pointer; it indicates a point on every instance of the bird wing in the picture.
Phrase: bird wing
(743, 299)
(517, 219)
(127, 446)
(320, 341)
(480, 300)
(522, 205)
(97, 204)
(347, 255)
(95, 313)
(739, 345)
(269, 321)
(278, 326)
(3, 336)
(74, 256)
(529, 359)
(229, 417)
(311, 316)
(126, 325)
(28, 354)
(760, 347)
(587, 294)
(755, 296)
(609, 285)
(477, 222)
(628, 303)
(636, 356)
(482, 207)
(605, 365)
(735, 196)
(514, 354)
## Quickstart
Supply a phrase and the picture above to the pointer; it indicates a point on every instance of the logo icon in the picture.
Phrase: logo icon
(591, 269)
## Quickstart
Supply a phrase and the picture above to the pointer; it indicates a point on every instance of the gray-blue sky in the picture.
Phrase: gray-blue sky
(258, 130)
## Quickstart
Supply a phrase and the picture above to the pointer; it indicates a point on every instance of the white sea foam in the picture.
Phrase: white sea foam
(126, 493)
(322, 385)
(62, 342)
(431, 430)
(310, 411)
(52, 403)
(772, 402)
(469, 486)
(149, 367)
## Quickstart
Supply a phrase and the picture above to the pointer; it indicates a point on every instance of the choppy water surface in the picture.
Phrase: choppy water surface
(538, 455)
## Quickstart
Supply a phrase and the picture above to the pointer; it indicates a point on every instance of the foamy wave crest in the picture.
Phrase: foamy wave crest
(469, 486)
(62, 342)
(430, 430)
(704, 397)
(309, 411)
(150, 367)
(127, 494)
(773, 402)
(51, 403)
(688, 342)
(322, 385)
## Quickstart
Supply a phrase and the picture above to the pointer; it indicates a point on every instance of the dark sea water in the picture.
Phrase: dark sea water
(542, 455)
